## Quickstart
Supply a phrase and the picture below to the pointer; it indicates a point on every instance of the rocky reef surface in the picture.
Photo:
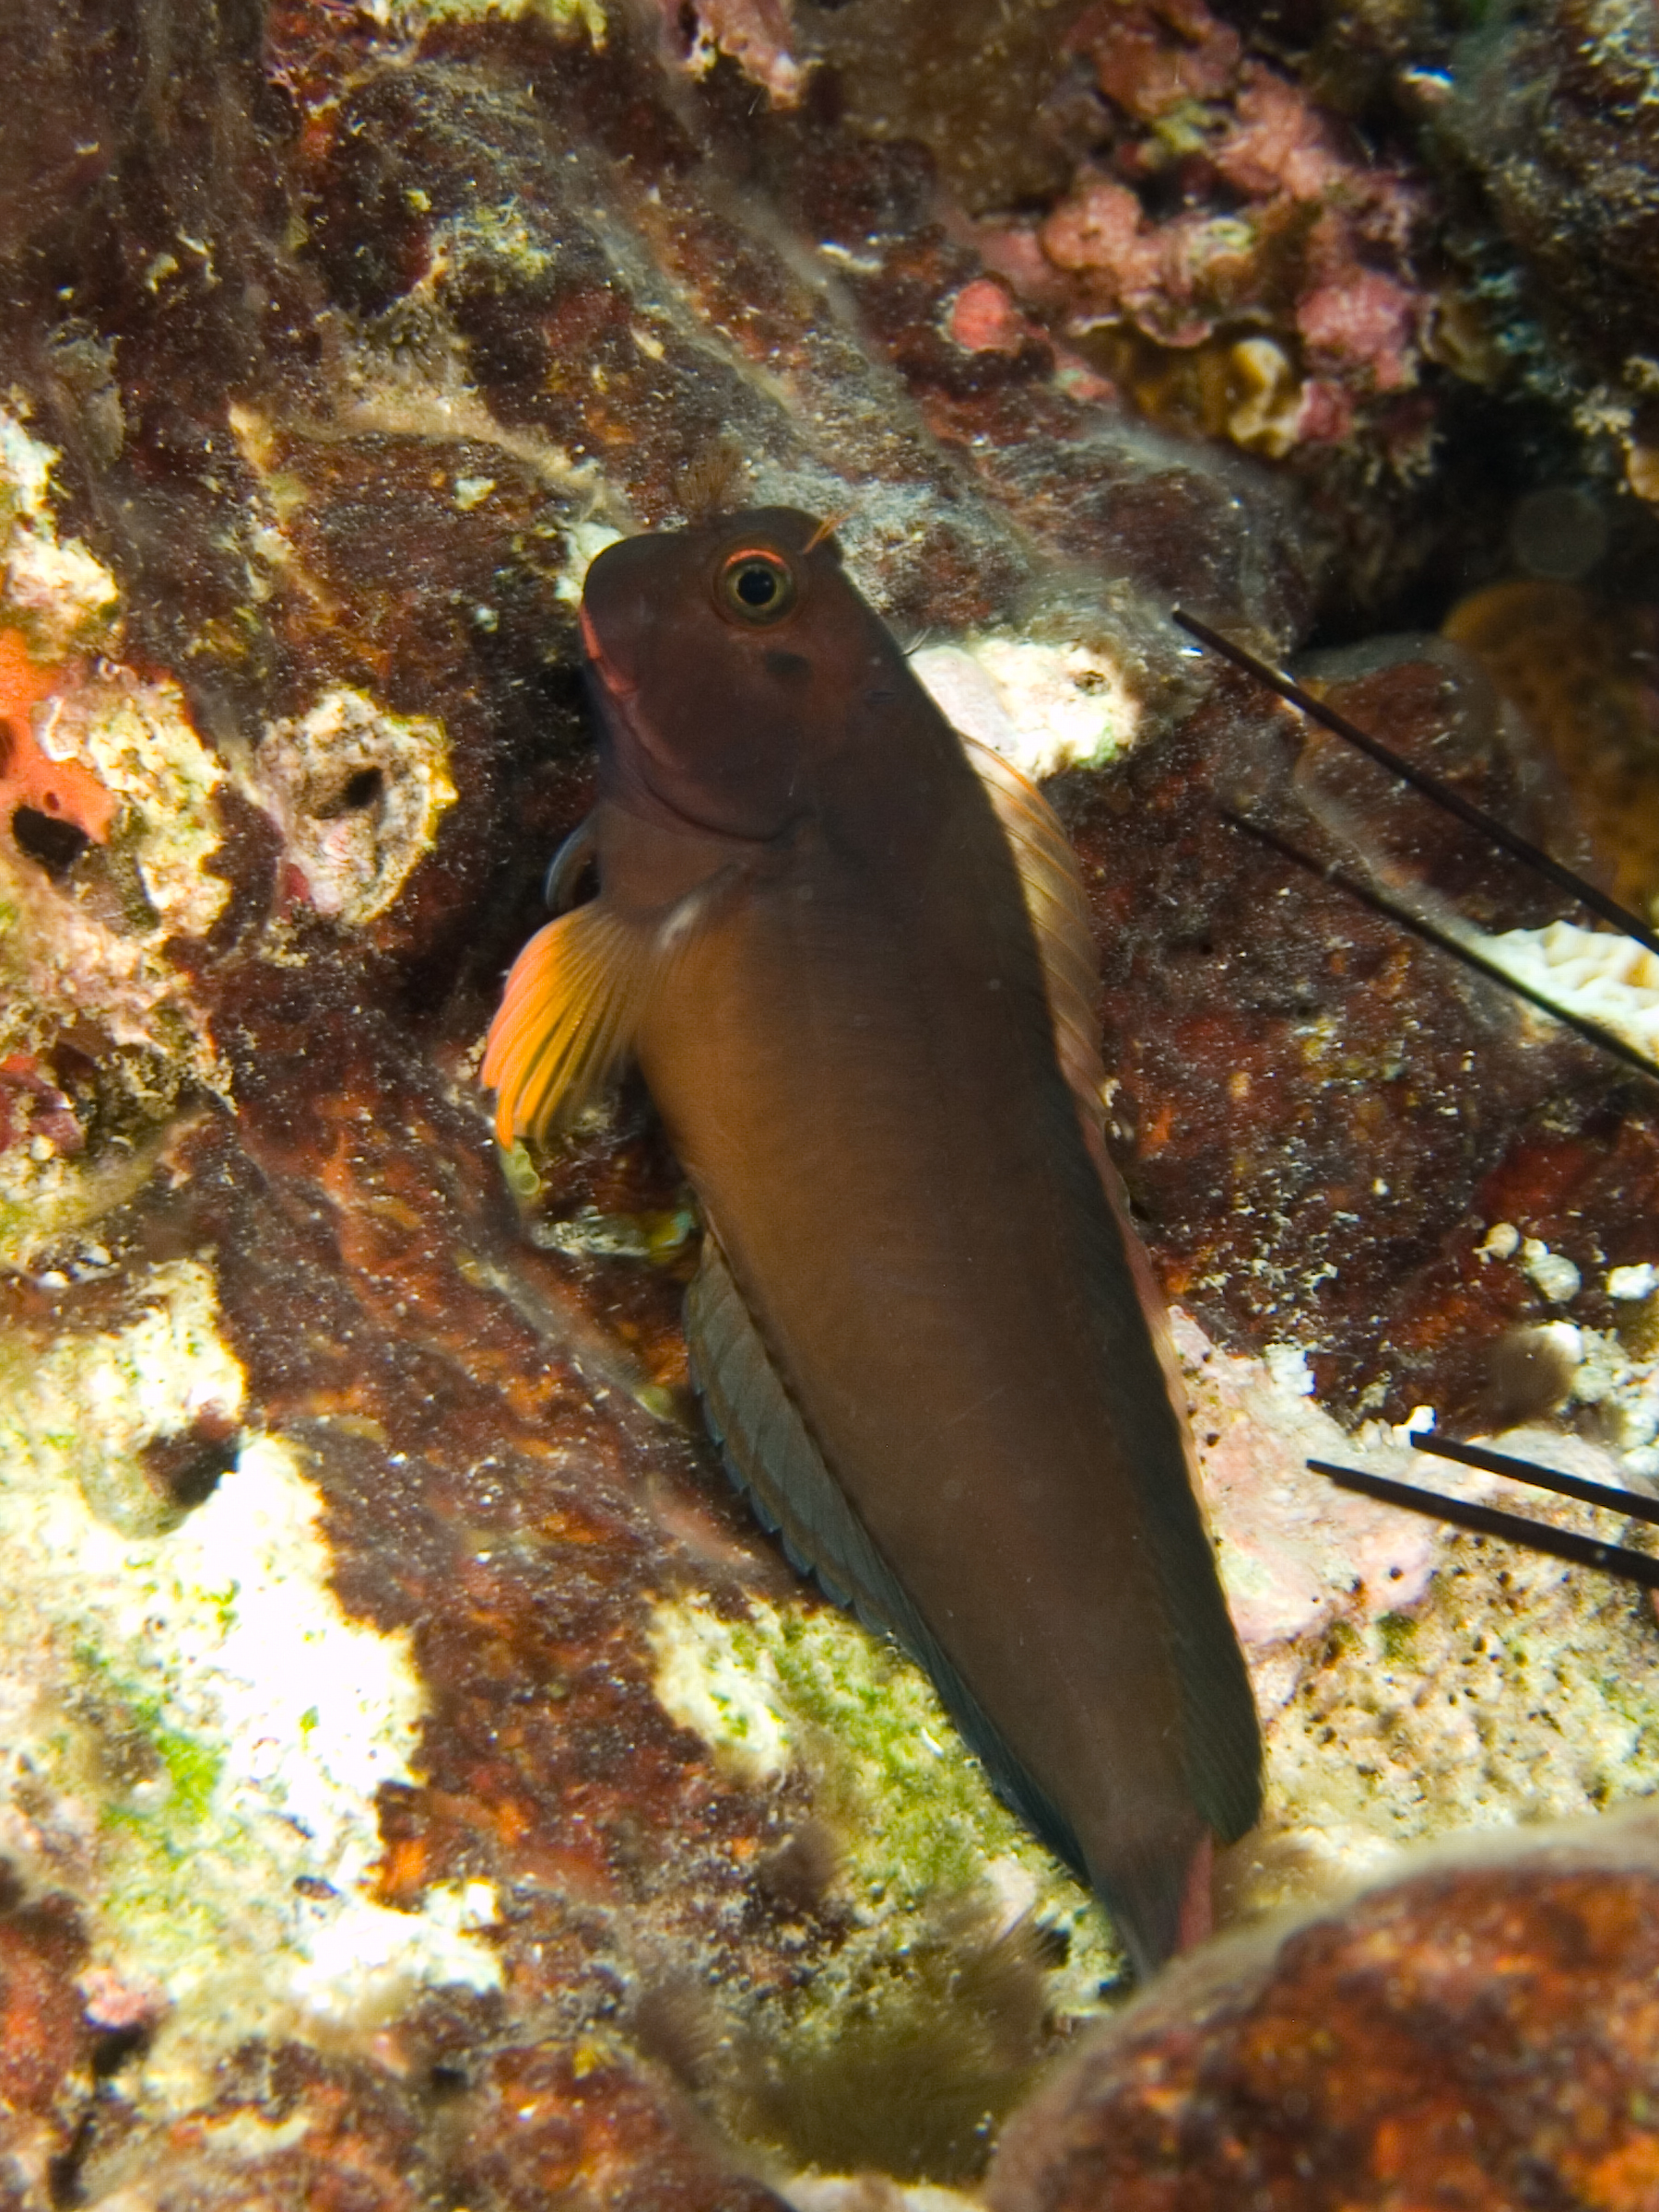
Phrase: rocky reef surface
(1297, 2073)
(420, 1784)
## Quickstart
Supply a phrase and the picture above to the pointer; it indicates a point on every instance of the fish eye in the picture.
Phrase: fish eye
(756, 585)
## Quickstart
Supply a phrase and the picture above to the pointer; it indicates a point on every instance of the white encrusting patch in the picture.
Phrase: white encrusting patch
(62, 595)
(1415, 1681)
(585, 542)
(137, 737)
(88, 948)
(1287, 1364)
(192, 1725)
(872, 2193)
(1044, 707)
(1590, 972)
(1552, 1274)
(358, 792)
(719, 1681)
(356, 1952)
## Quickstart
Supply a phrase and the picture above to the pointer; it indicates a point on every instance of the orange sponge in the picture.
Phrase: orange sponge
(28, 776)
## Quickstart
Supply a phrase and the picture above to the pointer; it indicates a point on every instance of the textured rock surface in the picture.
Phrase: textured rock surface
(1478, 2037)
(1542, 106)
(421, 1784)
(1356, 1192)
(1223, 249)
(1579, 669)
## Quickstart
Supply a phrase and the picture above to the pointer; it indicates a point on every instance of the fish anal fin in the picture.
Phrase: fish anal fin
(771, 1455)
(1059, 919)
(769, 1451)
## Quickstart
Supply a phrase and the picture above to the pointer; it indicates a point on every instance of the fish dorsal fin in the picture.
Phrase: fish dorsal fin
(1223, 1768)
(771, 1455)
(1059, 917)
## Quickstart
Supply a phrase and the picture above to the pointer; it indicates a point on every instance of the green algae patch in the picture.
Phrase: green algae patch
(175, 1776)
(911, 2070)
(959, 1941)
(1396, 1632)
(919, 1830)
(193, 1770)
(895, 1778)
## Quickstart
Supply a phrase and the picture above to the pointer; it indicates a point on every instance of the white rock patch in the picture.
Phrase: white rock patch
(1044, 707)
(137, 739)
(60, 593)
(191, 1722)
(586, 542)
(358, 794)
(1589, 972)
(728, 1696)
(1414, 1681)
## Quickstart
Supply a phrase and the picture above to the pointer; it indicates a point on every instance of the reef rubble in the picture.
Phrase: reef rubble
(420, 1782)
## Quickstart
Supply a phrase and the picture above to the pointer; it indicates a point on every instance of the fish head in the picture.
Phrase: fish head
(727, 662)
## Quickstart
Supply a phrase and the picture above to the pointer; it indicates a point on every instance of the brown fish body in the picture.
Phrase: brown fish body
(920, 1325)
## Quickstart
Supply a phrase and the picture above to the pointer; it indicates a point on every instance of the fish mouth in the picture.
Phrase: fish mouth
(639, 763)
(605, 667)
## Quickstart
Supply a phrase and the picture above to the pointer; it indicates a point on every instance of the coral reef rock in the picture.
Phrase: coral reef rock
(421, 1784)
(1480, 2034)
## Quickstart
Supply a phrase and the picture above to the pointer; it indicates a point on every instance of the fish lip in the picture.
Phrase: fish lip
(636, 792)
(609, 674)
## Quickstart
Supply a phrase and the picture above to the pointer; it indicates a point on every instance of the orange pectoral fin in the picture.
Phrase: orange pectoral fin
(574, 1002)
(567, 1020)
